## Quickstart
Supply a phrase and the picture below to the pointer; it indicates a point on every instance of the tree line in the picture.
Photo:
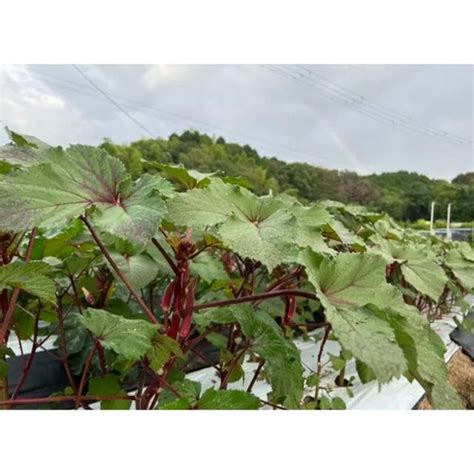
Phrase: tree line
(405, 195)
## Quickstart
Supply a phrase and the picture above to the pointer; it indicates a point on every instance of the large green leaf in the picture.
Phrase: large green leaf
(462, 268)
(370, 339)
(260, 228)
(309, 230)
(270, 240)
(140, 211)
(283, 364)
(351, 281)
(228, 400)
(26, 150)
(424, 352)
(213, 205)
(466, 250)
(50, 194)
(346, 286)
(130, 338)
(418, 267)
(30, 277)
(426, 277)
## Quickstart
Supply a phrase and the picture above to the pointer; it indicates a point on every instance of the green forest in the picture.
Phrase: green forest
(404, 195)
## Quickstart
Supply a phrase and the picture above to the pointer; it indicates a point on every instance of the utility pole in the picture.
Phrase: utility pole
(448, 222)
(432, 218)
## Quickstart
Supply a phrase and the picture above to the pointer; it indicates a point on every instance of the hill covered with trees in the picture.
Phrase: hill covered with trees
(405, 195)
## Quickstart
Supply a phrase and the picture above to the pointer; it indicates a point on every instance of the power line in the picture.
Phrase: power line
(389, 110)
(182, 118)
(337, 98)
(377, 115)
(112, 101)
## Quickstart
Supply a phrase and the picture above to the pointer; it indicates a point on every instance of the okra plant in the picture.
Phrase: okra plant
(140, 282)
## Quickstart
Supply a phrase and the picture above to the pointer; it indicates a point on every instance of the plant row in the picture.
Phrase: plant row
(133, 278)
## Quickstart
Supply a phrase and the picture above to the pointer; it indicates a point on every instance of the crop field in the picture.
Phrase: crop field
(138, 280)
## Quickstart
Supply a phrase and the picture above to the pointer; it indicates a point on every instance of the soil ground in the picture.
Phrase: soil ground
(461, 375)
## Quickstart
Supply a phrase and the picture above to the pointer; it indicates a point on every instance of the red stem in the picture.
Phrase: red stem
(119, 272)
(11, 307)
(168, 259)
(257, 297)
(85, 373)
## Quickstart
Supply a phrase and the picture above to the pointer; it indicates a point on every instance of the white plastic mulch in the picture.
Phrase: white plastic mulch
(399, 394)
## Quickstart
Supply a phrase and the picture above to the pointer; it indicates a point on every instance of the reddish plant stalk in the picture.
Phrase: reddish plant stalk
(11, 306)
(85, 373)
(119, 272)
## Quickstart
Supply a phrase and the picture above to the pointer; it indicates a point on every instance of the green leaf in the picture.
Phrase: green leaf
(466, 250)
(163, 348)
(78, 342)
(189, 392)
(418, 268)
(24, 324)
(202, 208)
(217, 340)
(228, 400)
(424, 351)
(462, 268)
(189, 178)
(426, 277)
(260, 228)
(130, 338)
(25, 140)
(346, 286)
(139, 213)
(214, 316)
(30, 277)
(50, 194)
(283, 364)
(25, 150)
(3, 368)
(108, 385)
(140, 269)
(337, 403)
(335, 230)
(209, 268)
(350, 280)
(269, 240)
(336, 362)
(366, 374)
(310, 222)
(4, 352)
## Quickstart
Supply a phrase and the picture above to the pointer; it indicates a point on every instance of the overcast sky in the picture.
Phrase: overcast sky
(366, 118)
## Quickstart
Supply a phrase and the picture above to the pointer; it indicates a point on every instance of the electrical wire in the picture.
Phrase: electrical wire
(377, 115)
(112, 101)
(145, 109)
(364, 101)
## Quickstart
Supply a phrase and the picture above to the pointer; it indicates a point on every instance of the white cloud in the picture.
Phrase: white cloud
(160, 74)
(29, 106)
(279, 116)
